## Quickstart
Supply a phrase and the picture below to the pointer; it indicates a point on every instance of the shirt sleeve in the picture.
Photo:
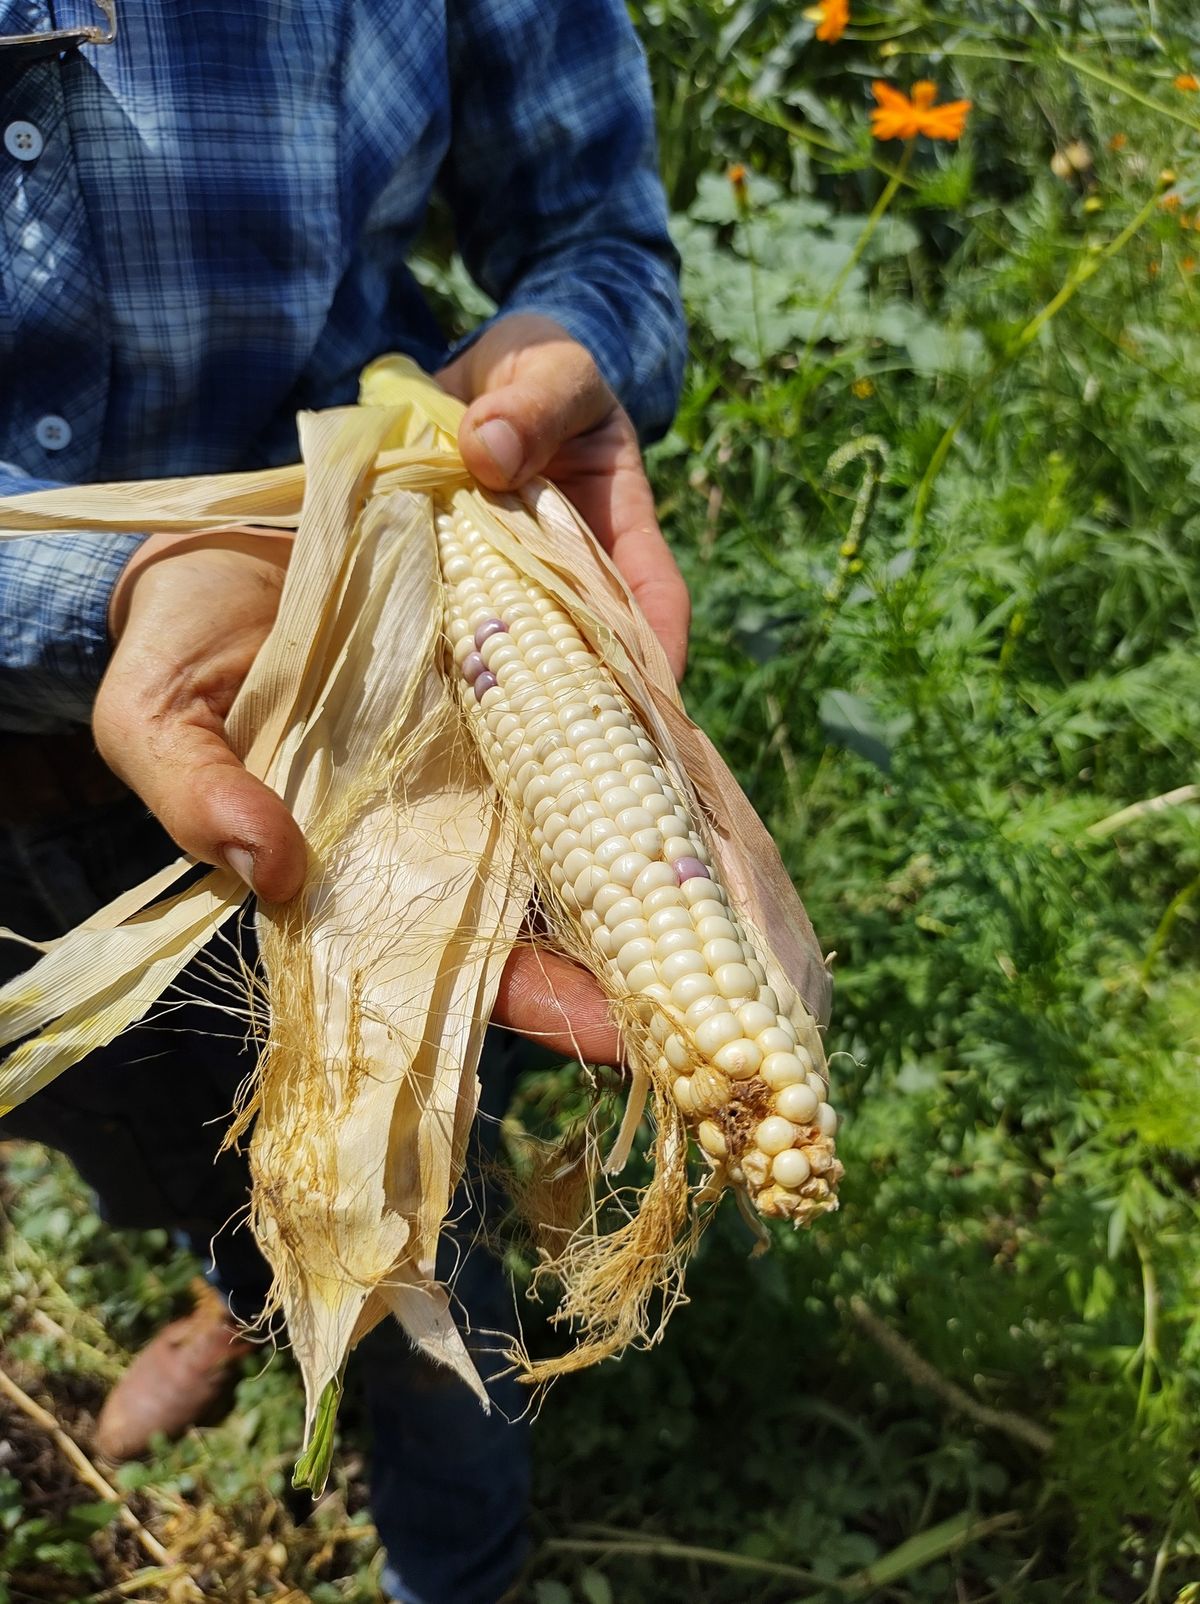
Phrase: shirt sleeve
(54, 594)
(553, 179)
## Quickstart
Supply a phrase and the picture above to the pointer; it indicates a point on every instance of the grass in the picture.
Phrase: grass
(933, 486)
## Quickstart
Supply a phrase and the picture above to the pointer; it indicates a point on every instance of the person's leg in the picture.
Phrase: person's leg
(449, 1483)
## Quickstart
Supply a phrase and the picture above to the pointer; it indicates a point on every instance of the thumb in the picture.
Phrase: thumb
(208, 803)
(552, 392)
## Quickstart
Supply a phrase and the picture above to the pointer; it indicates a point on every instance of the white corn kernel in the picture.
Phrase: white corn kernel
(641, 976)
(654, 877)
(678, 964)
(675, 938)
(781, 1069)
(620, 908)
(712, 1139)
(607, 853)
(772, 1040)
(688, 988)
(754, 1018)
(722, 952)
(702, 1008)
(661, 920)
(734, 980)
(775, 1134)
(633, 929)
(713, 1033)
(675, 1050)
(666, 897)
(632, 953)
(739, 1058)
(627, 867)
(797, 1102)
(790, 1168)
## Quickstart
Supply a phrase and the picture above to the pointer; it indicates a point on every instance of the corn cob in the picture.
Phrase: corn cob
(621, 852)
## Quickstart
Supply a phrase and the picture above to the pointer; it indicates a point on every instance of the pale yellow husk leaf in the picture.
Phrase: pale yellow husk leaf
(361, 1132)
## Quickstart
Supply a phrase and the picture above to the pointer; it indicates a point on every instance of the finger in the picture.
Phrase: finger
(605, 479)
(552, 392)
(208, 803)
(652, 574)
(554, 1002)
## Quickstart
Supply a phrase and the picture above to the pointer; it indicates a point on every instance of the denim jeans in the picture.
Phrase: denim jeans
(142, 1120)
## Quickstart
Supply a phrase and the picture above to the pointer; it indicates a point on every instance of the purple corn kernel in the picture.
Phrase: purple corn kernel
(690, 869)
(472, 666)
(484, 683)
(493, 626)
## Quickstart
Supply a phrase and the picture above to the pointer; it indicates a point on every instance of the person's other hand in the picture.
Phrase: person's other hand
(536, 404)
(188, 615)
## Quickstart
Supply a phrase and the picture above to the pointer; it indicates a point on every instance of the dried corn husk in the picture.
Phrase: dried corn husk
(381, 975)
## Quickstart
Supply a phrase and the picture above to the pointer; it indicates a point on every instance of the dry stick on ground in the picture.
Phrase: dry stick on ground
(84, 1469)
(1138, 810)
(923, 1374)
(664, 1548)
(125, 1592)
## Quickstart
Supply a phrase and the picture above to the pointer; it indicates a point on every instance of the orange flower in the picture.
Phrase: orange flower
(1118, 142)
(831, 17)
(1188, 82)
(737, 176)
(898, 117)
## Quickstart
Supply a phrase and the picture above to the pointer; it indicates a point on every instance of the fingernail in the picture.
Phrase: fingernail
(242, 864)
(503, 444)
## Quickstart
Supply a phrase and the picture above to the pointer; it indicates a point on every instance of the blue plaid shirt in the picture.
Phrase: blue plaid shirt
(204, 227)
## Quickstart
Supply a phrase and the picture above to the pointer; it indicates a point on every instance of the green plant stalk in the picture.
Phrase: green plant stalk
(915, 1553)
(1080, 274)
(743, 206)
(967, 52)
(923, 1549)
(312, 1468)
(1077, 64)
(1148, 1348)
(874, 449)
(886, 195)
(1165, 925)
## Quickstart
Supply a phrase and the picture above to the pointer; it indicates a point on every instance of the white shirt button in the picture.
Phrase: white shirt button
(23, 141)
(52, 433)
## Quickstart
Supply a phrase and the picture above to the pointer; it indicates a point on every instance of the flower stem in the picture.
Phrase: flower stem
(886, 196)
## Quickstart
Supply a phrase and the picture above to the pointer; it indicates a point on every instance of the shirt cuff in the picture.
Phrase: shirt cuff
(54, 645)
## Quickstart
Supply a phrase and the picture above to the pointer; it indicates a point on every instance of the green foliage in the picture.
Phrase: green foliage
(934, 487)
(51, 1548)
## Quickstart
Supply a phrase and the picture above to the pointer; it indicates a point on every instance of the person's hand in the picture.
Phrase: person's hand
(536, 404)
(188, 615)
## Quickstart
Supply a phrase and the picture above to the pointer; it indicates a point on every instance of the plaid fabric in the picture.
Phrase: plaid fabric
(213, 236)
